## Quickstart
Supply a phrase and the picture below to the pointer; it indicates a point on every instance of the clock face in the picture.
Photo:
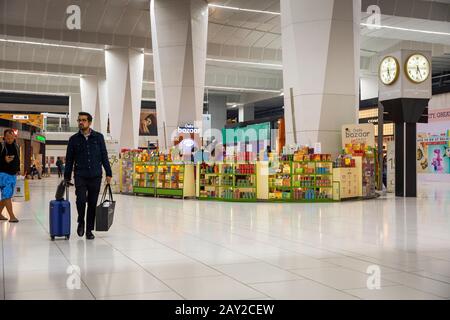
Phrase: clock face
(389, 70)
(417, 68)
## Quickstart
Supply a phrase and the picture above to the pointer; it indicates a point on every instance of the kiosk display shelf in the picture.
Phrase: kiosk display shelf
(144, 178)
(127, 159)
(227, 181)
(280, 175)
(170, 181)
(163, 179)
(312, 181)
(126, 173)
(349, 178)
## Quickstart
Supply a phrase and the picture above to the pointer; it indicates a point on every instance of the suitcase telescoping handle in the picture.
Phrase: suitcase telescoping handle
(67, 184)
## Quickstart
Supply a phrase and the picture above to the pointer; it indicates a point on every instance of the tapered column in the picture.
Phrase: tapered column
(124, 72)
(320, 42)
(246, 112)
(179, 35)
(74, 108)
(90, 100)
(217, 107)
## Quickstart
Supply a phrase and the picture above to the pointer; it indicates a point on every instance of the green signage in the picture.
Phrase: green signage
(250, 133)
(40, 138)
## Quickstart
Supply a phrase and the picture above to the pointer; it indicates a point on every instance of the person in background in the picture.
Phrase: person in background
(33, 171)
(9, 169)
(86, 151)
(49, 168)
(59, 165)
(38, 168)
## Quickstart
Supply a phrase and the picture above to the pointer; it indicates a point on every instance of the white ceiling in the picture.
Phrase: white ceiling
(232, 35)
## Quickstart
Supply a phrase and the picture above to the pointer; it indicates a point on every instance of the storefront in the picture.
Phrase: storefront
(30, 142)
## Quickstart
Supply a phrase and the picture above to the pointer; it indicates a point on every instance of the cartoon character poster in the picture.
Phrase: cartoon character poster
(433, 152)
(438, 159)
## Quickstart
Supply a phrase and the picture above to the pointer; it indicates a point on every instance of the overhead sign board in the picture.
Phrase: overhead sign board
(20, 117)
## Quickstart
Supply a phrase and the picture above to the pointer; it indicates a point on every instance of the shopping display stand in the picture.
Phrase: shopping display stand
(227, 181)
(211, 180)
(356, 172)
(280, 181)
(295, 179)
(261, 181)
(175, 180)
(127, 159)
(312, 181)
(144, 178)
(350, 180)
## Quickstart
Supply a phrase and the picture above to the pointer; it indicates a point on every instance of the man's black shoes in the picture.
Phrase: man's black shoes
(90, 235)
(80, 229)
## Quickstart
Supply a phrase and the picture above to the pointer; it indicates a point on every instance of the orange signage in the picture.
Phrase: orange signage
(36, 120)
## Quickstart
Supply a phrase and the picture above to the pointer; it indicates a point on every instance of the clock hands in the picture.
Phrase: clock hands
(418, 71)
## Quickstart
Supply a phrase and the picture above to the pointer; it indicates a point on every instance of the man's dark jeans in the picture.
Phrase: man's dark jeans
(87, 190)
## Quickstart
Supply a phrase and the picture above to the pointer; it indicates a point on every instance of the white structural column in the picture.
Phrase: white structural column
(179, 38)
(74, 108)
(90, 100)
(246, 112)
(103, 112)
(320, 42)
(217, 107)
(124, 72)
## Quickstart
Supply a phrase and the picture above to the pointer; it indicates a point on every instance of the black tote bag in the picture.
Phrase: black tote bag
(104, 213)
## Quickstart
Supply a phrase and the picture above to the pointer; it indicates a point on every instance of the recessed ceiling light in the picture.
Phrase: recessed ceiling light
(241, 89)
(406, 29)
(35, 92)
(50, 44)
(362, 24)
(40, 74)
(230, 88)
(242, 9)
(246, 62)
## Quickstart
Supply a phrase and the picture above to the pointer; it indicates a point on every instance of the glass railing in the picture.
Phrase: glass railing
(57, 128)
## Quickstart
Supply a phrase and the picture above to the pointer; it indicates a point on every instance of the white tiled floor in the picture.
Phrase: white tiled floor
(174, 249)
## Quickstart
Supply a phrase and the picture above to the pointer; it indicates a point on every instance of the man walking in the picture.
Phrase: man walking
(59, 165)
(9, 169)
(86, 151)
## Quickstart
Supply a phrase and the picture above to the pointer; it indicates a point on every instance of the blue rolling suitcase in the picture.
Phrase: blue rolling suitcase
(59, 218)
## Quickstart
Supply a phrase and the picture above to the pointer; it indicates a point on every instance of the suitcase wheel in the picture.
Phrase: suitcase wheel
(67, 237)
(53, 238)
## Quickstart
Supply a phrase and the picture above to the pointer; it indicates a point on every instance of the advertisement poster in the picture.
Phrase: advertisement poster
(358, 134)
(112, 146)
(147, 123)
(433, 152)
(433, 143)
